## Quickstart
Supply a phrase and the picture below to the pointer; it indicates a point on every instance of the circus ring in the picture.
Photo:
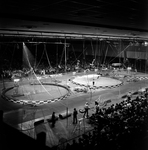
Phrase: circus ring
(100, 82)
(36, 95)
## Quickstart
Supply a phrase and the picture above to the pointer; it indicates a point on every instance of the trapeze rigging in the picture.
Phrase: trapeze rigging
(101, 58)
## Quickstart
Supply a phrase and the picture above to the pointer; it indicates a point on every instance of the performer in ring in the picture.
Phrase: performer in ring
(75, 113)
(93, 82)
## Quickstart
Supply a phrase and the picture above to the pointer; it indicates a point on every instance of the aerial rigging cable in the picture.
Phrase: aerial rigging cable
(35, 56)
(78, 57)
(74, 53)
(55, 76)
(65, 54)
(99, 54)
(105, 55)
(31, 69)
(84, 61)
(120, 50)
(61, 57)
(146, 62)
(120, 53)
(25, 49)
(113, 51)
(135, 56)
(94, 55)
(47, 55)
(40, 58)
(93, 52)
(96, 50)
(57, 55)
(50, 66)
(102, 46)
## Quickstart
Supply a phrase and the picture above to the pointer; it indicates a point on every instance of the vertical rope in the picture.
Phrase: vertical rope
(47, 55)
(96, 50)
(35, 62)
(99, 53)
(92, 49)
(57, 56)
(40, 59)
(34, 72)
(61, 57)
(83, 53)
(119, 53)
(65, 55)
(105, 55)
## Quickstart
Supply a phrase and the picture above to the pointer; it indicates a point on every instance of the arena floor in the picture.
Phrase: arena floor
(23, 117)
(36, 92)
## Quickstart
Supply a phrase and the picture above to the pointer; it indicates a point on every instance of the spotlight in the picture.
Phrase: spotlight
(145, 43)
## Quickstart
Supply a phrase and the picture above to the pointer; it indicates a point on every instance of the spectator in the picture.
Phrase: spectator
(53, 119)
(75, 119)
(97, 107)
(86, 108)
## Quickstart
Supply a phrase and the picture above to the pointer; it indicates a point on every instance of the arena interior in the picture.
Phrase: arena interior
(56, 72)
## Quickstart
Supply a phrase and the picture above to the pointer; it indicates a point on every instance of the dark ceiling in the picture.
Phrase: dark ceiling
(107, 18)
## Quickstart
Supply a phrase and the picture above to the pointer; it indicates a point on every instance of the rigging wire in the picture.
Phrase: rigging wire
(78, 57)
(74, 53)
(96, 49)
(119, 62)
(61, 57)
(34, 72)
(50, 65)
(93, 53)
(84, 53)
(99, 53)
(35, 57)
(105, 56)
(40, 59)
(50, 76)
(57, 55)
(119, 53)
(47, 55)
(135, 58)
(146, 62)
(113, 51)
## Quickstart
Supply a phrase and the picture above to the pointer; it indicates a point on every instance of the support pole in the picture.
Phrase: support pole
(65, 55)
(67, 115)
(83, 54)
(57, 55)
(35, 62)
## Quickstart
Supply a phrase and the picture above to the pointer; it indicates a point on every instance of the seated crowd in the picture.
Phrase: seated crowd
(21, 71)
(119, 127)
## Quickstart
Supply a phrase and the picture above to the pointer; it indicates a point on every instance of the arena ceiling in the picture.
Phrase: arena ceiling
(125, 19)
